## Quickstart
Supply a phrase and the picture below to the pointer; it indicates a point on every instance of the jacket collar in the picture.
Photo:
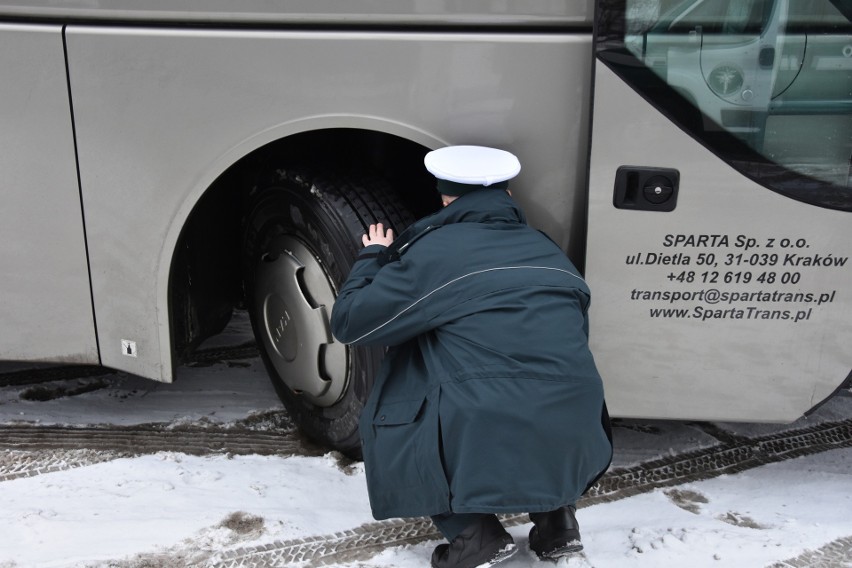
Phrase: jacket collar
(479, 206)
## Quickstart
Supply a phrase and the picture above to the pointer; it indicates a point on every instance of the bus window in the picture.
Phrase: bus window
(764, 84)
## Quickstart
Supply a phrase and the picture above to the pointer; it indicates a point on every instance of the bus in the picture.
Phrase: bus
(164, 164)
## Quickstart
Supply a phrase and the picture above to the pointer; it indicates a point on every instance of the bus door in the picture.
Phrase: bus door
(45, 298)
(720, 206)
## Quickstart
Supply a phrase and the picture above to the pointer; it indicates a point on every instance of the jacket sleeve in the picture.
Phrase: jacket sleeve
(381, 305)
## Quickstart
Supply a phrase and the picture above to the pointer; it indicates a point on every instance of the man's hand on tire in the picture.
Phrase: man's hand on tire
(377, 236)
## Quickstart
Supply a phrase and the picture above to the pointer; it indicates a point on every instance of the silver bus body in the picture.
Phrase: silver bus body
(118, 119)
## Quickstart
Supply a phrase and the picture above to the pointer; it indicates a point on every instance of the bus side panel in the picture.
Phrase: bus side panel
(734, 306)
(45, 301)
(161, 113)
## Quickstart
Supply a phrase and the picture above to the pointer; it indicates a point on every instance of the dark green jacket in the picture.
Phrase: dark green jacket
(488, 399)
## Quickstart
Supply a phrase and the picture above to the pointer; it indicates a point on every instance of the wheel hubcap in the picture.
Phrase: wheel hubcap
(295, 298)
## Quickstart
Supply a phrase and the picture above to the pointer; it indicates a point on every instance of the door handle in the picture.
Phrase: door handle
(646, 189)
(766, 57)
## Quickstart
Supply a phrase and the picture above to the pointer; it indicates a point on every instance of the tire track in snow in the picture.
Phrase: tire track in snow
(733, 456)
(15, 464)
(835, 554)
(26, 451)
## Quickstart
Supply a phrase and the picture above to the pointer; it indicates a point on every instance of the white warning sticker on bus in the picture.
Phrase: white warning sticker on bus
(128, 348)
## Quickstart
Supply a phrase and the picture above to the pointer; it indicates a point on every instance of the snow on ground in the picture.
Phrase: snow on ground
(88, 516)
(753, 519)
(193, 508)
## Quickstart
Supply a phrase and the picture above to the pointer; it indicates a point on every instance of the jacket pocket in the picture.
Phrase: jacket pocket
(399, 428)
(404, 471)
(396, 413)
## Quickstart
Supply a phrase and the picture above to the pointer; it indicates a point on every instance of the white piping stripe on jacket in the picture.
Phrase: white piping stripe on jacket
(454, 280)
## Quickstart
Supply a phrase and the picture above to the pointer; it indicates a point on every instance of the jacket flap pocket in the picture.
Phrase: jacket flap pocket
(394, 413)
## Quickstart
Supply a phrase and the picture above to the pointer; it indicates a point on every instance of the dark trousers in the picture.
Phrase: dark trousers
(452, 524)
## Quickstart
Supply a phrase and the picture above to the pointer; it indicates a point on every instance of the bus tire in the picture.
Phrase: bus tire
(302, 233)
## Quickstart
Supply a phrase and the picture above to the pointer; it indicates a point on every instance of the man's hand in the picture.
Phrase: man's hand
(377, 236)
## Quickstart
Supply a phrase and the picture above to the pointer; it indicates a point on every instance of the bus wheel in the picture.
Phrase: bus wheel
(302, 234)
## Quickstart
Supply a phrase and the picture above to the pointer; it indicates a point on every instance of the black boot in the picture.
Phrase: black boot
(555, 534)
(483, 543)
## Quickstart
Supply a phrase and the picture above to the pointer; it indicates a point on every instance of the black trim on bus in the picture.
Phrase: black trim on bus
(845, 385)
(610, 50)
(80, 191)
(317, 26)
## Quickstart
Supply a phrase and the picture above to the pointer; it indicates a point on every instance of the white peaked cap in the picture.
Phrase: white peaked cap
(474, 165)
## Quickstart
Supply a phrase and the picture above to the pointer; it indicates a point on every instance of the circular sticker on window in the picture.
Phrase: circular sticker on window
(726, 80)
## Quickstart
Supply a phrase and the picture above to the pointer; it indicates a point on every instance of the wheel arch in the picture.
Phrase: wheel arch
(196, 283)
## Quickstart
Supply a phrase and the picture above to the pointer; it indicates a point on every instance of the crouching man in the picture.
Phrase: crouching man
(488, 400)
